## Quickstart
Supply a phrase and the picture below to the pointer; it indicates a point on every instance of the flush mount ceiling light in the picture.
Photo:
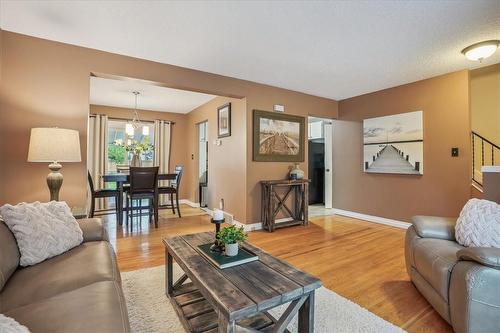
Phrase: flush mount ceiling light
(481, 50)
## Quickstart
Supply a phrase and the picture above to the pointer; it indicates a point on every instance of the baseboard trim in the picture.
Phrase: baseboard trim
(359, 216)
(248, 227)
(189, 203)
(374, 219)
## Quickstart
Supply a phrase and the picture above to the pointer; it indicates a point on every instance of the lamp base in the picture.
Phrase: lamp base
(54, 180)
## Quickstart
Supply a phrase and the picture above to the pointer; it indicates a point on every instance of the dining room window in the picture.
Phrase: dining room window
(117, 153)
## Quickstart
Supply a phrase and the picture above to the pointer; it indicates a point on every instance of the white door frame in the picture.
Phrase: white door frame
(328, 134)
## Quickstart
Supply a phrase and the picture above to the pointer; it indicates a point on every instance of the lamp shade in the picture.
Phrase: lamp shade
(54, 145)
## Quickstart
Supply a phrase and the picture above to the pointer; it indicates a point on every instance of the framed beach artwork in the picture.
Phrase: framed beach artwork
(278, 137)
(394, 144)
(224, 121)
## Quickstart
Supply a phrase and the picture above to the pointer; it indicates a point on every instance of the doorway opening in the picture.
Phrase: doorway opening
(320, 148)
(203, 163)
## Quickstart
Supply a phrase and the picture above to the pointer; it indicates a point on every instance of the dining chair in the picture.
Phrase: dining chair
(143, 185)
(173, 189)
(102, 193)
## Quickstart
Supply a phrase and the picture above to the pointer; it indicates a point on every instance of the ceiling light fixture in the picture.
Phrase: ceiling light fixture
(136, 121)
(481, 50)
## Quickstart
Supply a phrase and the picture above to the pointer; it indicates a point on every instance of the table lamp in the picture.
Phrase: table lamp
(54, 145)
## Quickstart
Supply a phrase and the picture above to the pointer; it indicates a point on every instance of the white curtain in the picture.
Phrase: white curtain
(163, 136)
(97, 153)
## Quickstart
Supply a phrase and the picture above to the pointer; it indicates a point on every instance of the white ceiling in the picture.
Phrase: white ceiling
(335, 49)
(119, 93)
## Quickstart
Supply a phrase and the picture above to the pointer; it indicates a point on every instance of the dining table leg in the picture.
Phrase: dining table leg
(120, 203)
(155, 208)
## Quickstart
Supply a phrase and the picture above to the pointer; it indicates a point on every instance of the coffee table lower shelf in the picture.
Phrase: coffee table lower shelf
(198, 316)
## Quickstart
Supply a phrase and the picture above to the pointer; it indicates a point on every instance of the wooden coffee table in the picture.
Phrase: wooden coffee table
(236, 299)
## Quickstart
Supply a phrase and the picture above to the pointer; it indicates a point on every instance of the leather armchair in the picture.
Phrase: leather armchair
(462, 284)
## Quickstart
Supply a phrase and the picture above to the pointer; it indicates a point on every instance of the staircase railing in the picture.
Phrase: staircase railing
(489, 154)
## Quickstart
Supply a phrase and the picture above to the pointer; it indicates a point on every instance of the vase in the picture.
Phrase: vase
(296, 172)
(231, 249)
(136, 161)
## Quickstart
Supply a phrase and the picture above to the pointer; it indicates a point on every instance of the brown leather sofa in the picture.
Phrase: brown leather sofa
(462, 284)
(77, 291)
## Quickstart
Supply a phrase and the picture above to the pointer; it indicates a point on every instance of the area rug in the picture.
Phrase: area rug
(150, 310)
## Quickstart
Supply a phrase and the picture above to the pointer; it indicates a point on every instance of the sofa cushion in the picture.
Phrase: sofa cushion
(42, 230)
(479, 224)
(98, 307)
(81, 266)
(434, 260)
(9, 254)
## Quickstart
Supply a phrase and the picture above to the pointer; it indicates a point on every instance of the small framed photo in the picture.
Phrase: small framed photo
(224, 121)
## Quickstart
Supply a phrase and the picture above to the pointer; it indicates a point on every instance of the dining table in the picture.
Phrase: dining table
(123, 177)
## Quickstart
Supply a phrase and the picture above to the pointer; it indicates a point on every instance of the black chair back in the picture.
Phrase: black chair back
(91, 182)
(143, 179)
(176, 183)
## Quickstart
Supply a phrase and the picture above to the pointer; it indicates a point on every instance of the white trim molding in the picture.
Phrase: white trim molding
(374, 219)
(490, 168)
(248, 227)
(258, 225)
(189, 203)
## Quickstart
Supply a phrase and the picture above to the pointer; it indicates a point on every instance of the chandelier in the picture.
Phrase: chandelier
(135, 124)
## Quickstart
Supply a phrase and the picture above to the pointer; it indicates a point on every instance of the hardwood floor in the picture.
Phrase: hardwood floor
(361, 261)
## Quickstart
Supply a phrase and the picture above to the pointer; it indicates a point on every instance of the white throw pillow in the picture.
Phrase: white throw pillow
(42, 230)
(9, 325)
(479, 224)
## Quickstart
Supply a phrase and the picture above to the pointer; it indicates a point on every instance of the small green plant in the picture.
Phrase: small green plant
(232, 235)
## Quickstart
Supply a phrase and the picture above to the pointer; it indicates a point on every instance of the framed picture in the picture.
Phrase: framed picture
(278, 137)
(224, 121)
(394, 144)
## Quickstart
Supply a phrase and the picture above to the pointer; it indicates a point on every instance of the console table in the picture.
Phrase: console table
(273, 202)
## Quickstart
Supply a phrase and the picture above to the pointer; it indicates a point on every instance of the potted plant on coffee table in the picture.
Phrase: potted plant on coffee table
(231, 237)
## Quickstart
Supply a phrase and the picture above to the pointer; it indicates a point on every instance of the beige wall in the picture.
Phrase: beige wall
(485, 102)
(445, 185)
(46, 83)
(485, 113)
(226, 163)
(177, 150)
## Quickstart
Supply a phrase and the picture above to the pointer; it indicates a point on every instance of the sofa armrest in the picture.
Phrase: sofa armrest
(487, 256)
(434, 227)
(93, 230)
(474, 297)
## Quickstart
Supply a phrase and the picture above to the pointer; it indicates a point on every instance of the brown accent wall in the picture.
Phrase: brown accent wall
(445, 185)
(45, 83)
(257, 171)
(177, 150)
(226, 163)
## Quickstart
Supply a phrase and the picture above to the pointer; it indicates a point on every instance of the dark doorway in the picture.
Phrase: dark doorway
(317, 171)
